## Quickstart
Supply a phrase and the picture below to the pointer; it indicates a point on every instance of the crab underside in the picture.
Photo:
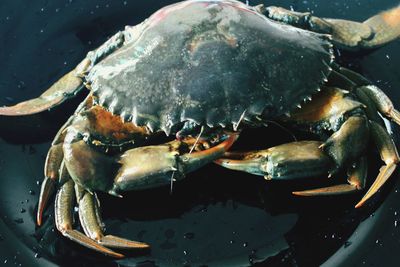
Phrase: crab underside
(201, 72)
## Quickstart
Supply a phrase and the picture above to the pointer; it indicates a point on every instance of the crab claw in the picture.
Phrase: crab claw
(150, 166)
(284, 162)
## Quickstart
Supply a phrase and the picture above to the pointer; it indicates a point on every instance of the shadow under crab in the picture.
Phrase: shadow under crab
(82, 148)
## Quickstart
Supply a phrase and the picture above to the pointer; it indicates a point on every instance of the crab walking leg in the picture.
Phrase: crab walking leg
(357, 176)
(349, 142)
(54, 165)
(64, 220)
(66, 87)
(69, 85)
(374, 100)
(52, 169)
(340, 152)
(373, 97)
(342, 148)
(382, 102)
(374, 32)
(345, 146)
(389, 156)
(89, 215)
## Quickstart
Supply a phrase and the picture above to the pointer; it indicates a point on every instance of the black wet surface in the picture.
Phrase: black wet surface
(215, 217)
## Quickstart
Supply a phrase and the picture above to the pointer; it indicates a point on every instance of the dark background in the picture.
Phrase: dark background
(215, 217)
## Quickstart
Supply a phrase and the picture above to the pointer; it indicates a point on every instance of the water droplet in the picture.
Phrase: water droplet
(169, 233)
(251, 259)
(387, 56)
(245, 244)
(185, 252)
(23, 210)
(37, 182)
(9, 99)
(19, 220)
(31, 192)
(231, 241)
(188, 235)
(347, 244)
(395, 223)
(32, 150)
(37, 256)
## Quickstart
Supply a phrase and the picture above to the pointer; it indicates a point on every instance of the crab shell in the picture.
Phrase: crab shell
(212, 63)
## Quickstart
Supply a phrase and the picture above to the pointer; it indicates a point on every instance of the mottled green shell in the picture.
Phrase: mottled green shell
(212, 62)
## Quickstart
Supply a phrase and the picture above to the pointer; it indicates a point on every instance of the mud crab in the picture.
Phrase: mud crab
(201, 71)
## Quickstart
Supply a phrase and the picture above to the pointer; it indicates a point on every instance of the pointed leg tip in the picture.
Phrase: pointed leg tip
(111, 253)
(118, 255)
(362, 202)
(366, 197)
(301, 193)
(39, 220)
(46, 191)
(359, 204)
(84, 240)
(328, 191)
(141, 246)
(122, 243)
(221, 161)
(395, 115)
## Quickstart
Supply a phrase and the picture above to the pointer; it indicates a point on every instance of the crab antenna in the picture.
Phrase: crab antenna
(190, 152)
(236, 125)
(197, 140)
(172, 182)
(283, 128)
